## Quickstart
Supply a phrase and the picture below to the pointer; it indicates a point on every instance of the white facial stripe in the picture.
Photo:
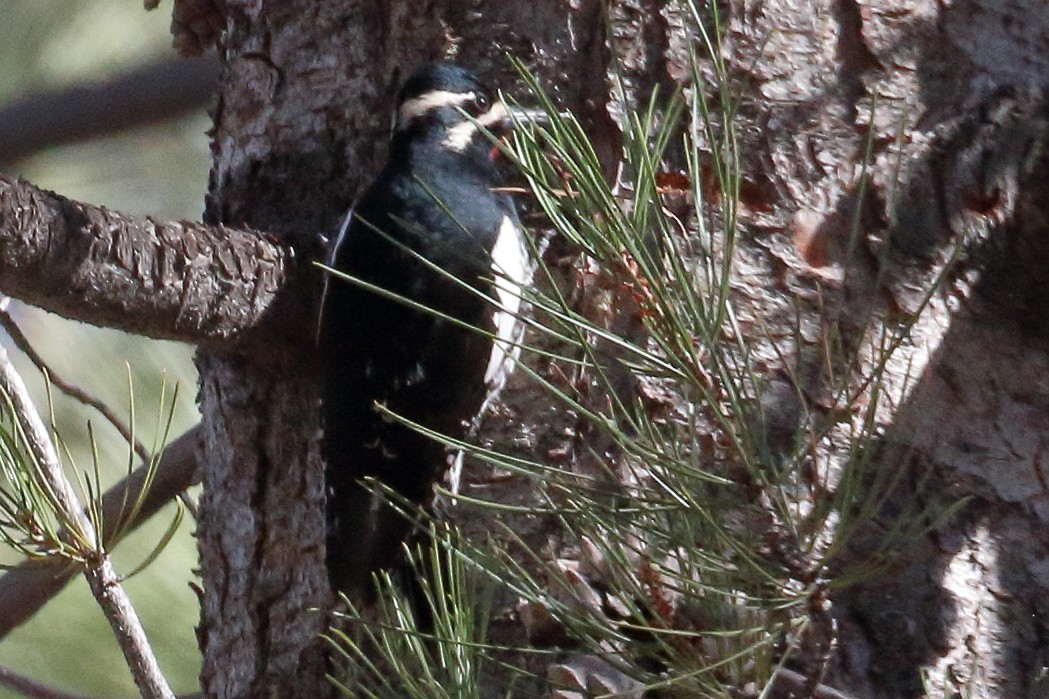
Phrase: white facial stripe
(493, 116)
(417, 106)
(458, 137)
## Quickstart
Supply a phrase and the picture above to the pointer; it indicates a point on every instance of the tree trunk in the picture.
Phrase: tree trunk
(299, 128)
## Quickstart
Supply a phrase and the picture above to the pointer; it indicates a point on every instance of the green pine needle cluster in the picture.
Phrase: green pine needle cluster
(33, 521)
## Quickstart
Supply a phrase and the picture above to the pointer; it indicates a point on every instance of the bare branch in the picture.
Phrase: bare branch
(25, 589)
(177, 281)
(147, 95)
(99, 570)
(106, 587)
(797, 684)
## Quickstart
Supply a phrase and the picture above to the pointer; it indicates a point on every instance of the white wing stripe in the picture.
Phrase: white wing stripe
(333, 252)
(512, 271)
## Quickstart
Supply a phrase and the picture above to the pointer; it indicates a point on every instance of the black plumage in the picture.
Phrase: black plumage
(434, 199)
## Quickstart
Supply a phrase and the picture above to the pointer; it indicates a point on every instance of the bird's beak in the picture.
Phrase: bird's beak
(502, 118)
(519, 116)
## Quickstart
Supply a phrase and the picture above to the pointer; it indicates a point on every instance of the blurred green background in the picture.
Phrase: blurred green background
(159, 171)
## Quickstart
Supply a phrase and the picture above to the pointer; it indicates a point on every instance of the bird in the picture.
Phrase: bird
(429, 327)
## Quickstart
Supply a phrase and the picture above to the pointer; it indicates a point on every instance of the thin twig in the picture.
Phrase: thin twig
(27, 588)
(72, 390)
(123, 619)
(798, 682)
(27, 687)
(99, 572)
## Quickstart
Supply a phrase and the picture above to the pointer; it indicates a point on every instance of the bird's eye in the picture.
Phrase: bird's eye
(479, 105)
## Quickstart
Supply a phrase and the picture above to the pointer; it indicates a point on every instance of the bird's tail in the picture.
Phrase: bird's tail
(365, 536)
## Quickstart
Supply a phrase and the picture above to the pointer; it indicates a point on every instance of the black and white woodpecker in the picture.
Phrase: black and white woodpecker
(435, 204)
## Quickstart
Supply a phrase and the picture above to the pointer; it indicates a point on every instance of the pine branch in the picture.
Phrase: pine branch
(27, 588)
(8, 323)
(99, 569)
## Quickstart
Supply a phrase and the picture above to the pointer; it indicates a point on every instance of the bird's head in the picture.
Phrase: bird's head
(446, 107)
